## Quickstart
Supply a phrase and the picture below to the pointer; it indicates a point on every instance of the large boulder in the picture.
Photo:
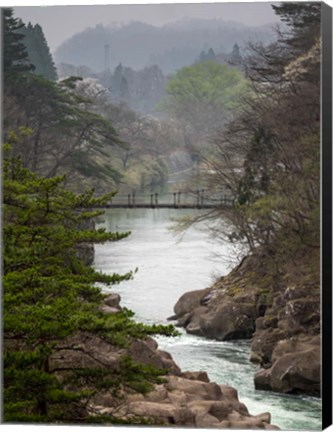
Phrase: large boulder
(223, 314)
(293, 371)
(230, 320)
(145, 351)
(189, 301)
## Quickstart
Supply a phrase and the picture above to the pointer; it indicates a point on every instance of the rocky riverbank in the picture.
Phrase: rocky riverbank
(278, 310)
(183, 399)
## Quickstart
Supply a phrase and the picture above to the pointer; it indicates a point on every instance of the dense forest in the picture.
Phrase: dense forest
(245, 121)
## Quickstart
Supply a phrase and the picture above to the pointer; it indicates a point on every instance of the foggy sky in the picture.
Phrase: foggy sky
(61, 22)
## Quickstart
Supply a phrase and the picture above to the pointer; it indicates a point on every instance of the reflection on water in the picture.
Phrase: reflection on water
(168, 268)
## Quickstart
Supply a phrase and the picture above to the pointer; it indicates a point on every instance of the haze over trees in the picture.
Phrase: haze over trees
(202, 97)
(251, 123)
(171, 47)
(65, 137)
(275, 142)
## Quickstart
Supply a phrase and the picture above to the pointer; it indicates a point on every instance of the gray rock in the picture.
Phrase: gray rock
(144, 351)
(108, 310)
(293, 373)
(196, 376)
(113, 300)
(189, 301)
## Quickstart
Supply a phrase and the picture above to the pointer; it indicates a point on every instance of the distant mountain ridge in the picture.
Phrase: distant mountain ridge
(170, 47)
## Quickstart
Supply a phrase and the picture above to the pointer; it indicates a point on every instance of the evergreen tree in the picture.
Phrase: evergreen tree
(50, 295)
(38, 51)
(303, 21)
(211, 55)
(235, 54)
(15, 56)
(66, 137)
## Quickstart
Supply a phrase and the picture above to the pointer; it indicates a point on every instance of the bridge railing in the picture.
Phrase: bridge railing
(177, 199)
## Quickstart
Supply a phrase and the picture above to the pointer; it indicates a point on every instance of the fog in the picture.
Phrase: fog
(61, 22)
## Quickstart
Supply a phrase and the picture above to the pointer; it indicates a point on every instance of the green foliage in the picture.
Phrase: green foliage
(149, 174)
(50, 295)
(203, 94)
(66, 138)
(15, 56)
(38, 51)
(303, 21)
(200, 99)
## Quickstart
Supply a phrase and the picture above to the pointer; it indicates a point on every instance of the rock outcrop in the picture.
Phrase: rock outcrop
(183, 399)
(281, 316)
(192, 403)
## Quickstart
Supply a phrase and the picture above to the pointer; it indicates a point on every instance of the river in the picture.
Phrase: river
(168, 267)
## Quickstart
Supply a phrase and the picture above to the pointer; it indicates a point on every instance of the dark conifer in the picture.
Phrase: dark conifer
(15, 56)
(38, 51)
(50, 296)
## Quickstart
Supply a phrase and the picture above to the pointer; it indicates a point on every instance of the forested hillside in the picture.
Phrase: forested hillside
(170, 47)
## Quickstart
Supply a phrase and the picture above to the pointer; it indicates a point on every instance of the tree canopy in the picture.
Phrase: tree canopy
(202, 95)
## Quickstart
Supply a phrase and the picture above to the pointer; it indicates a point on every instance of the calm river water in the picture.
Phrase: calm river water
(167, 268)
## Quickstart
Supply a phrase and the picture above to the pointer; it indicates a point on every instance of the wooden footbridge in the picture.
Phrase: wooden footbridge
(199, 199)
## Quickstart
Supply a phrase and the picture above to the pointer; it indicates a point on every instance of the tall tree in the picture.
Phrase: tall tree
(65, 136)
(303, 21)
(38, 51)
(15, 56)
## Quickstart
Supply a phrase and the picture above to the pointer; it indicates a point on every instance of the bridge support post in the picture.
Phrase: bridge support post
(152, 200)
(174, 200)
(156, 199)
(198, 199)
(133, 199)
(129, 200)
(179, 197)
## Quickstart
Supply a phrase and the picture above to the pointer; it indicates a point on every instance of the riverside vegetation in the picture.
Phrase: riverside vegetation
(273, 296)
(73, 356)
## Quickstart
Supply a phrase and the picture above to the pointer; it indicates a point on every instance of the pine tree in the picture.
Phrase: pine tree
(303, 21)
(38, 51)
(15, 56)
(49, 295)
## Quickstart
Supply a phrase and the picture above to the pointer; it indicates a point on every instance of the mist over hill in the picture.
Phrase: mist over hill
(171, 47)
